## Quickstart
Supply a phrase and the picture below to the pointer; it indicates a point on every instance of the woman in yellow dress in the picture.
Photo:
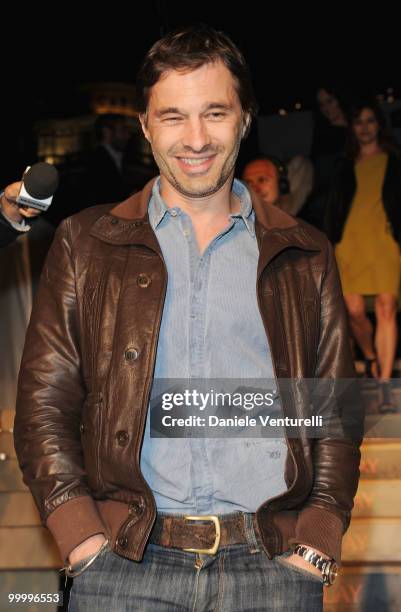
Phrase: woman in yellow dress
(363, 220)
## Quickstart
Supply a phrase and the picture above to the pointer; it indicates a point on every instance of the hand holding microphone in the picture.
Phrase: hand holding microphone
(10, 207)
(34, 194)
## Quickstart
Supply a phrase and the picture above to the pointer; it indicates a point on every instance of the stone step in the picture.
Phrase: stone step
(11, 476)
(374, 588)
(18, 510)
(31, 581)
(382, 426)
(7, 450)
(7, 420)
(378, 498)
(380, 460)
(372, 540)
(28, 547)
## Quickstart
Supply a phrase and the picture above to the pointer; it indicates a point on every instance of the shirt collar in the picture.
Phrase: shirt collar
(158, 208)
(246, 212)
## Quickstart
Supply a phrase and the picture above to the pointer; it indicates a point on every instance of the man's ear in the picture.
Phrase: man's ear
(143, 122)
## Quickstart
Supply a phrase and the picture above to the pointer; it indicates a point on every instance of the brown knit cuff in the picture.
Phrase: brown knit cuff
(320, 529)
(74, 522)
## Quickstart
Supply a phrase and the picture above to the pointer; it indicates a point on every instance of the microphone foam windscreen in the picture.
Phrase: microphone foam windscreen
(41, 180)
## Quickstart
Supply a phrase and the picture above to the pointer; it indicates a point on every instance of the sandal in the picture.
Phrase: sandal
(368, 367)
(387, 406)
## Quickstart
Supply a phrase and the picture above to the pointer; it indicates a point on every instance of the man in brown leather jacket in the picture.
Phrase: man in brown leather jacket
(121, 287)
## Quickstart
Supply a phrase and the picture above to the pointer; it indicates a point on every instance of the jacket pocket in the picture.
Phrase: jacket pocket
(76, 567)
(282, 559)
(93, 297)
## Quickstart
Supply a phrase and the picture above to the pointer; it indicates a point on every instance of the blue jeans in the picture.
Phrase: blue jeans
(239, 578)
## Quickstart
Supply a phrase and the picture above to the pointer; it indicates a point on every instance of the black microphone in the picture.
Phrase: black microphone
(39, 185)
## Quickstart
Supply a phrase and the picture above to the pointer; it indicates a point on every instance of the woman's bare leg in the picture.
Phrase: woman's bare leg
(361, 327)
(386, 332)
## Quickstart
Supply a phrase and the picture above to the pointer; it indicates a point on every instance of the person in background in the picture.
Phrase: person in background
(105, 164)
(101, 177)
(329, 136)
(285, 185)
(363, 220)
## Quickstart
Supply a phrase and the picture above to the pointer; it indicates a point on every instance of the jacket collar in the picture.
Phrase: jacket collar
(128, 223)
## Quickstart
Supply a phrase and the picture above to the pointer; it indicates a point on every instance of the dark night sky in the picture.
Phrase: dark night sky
(50, 50)
(289, 52)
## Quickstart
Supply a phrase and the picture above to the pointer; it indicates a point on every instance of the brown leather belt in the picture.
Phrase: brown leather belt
(202, 533)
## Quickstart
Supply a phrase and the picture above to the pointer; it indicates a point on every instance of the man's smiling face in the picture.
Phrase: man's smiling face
(194, 123)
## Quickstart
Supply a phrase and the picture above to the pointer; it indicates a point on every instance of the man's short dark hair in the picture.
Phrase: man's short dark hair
(190, 48)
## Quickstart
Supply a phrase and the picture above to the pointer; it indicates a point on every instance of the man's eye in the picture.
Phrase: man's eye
(172, 119)
(216, 115)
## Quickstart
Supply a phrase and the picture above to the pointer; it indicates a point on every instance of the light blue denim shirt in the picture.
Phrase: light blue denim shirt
(211, 328)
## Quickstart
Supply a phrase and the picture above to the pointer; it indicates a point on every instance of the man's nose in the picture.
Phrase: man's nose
(196, 135)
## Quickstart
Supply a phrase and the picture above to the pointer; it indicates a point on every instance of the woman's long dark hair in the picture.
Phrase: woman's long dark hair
(385, 137)
(342, 96)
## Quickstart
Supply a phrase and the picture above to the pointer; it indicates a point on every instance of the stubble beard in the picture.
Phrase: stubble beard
(205, 190)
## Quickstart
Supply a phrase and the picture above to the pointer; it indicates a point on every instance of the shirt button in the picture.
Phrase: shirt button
(173, 213)
(131, 354)
(82, 428)
(122, 437)
(186, 232)
(114, 221)
(144, 281)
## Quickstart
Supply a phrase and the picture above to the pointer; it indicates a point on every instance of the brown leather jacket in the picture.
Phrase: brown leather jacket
(87, 370)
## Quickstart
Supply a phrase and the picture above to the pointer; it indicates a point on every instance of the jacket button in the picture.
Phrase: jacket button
(114, 221)
(122, 438)
(122, 542)
(82, 428)
(135, 508)
(144, 281)
(131, 354)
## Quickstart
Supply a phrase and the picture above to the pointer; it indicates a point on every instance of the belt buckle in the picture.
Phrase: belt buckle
(215, 520)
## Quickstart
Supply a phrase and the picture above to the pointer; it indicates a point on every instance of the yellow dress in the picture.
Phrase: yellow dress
(368, 257)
